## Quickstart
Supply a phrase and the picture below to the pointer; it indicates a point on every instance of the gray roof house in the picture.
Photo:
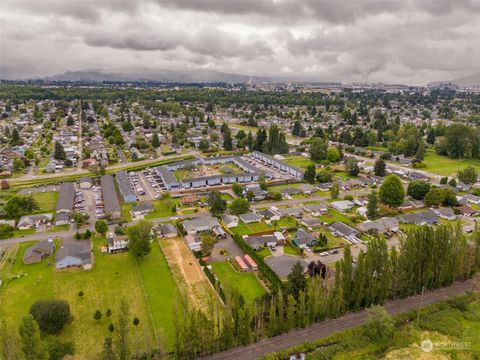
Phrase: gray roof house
(311, 223)
(250, 217)
(342, 205)
(304, 239)
(445, 213)
(167, 230)
(35, 253)
(381, 225)
(230, 220)
(258, 242)
(315, 209)
(65, 198)
(74, 253)
(29, 221)
(110, 199)
(142, 208)
(289, 211)
(345, 231)
(195, 226)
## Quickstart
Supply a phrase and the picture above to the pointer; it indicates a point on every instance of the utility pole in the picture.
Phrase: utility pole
(420, 305)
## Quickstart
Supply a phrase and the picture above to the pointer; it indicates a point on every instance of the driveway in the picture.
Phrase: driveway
(227, 244)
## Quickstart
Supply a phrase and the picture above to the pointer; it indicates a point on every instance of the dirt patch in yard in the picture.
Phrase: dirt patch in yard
(188, 274)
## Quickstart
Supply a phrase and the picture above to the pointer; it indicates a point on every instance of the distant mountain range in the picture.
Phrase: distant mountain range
(156, 75)
(464, 82)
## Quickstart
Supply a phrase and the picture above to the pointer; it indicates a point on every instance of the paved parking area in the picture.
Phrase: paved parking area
(227, 244)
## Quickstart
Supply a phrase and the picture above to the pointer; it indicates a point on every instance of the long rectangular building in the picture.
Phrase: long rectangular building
(64, 208)
(110, 199)
(125, 187)
(278, 164)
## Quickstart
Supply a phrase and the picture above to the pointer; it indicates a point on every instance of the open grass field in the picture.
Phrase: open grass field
(252, 228)
(126, 212)
(189, 276)
(112, 278)
(446, 166)
(245, 283)
(47, 201)
(161, 291)
(298, 160)
(162, 208)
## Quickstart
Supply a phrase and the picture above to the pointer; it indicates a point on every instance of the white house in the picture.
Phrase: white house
(342, 205)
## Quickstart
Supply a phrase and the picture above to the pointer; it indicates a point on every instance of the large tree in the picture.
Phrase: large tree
(139, 239)
(372, 206)
(296, 280)
(468, 175)
(59, 152)
(318, 149)
(216, 203)
(51, 315)
(391, 191)
(310, 174)
(239, 206)
(417, 189)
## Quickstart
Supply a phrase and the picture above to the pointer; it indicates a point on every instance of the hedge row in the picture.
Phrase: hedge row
(262, 266)
(216, 283)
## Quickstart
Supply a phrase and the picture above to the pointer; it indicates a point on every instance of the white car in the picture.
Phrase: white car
(324, 253)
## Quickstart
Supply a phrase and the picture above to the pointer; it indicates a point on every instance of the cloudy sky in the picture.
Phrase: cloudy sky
(402, 41)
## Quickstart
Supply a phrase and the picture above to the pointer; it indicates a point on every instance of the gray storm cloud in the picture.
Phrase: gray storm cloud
(390, 41)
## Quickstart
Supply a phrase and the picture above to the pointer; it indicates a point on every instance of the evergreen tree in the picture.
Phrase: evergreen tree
(310, 174)
(420, 154)
(15, 140)
(107, 352)
(334, 191)
(122, 327)
(372, 207)
(380, 168)
(318, 149)
(227, 140)
(297, 128)
(59, 152)
(296, 280)
(155, 140)
(33, 347)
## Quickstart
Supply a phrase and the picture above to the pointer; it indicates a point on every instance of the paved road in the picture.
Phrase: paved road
(326, 328)
(113, 167)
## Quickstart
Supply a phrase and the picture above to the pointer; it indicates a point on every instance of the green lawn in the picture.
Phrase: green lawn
(335, 216)
(264, 252)
(446, 166)
(58, 228)
(287, 222)
(18, 233)
(47, 201)
(162, 208)
(289, 250)
(160, 289)
(333, 241)
(298, 160)
(112, 278)
(246, 283)
(249, 229)
(126, 212)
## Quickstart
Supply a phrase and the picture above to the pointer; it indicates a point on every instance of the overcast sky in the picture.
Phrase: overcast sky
(404, 41)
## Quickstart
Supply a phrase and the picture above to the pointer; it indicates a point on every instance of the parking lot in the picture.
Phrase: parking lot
(153, 183)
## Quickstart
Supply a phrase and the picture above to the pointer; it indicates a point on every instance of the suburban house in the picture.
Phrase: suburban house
(85, 182)
(289, 211)
(65, 204)
(125, 187)
(31, 221)
(142, 209)
(250, 217)
(199, 225)
(167, 231)
(268, 214)
(472, 199)
(347, 232)
(307, 189)
(257, 242)
(35, 253)
(194, 242)
(381, 226)
(411, 205)
(74, 253)
(116, 243)
(304, 239)
(445, 213)
(342, 205)
(110, 199)
(311, 223)
(423, 218)
(189, 200)
(467, 211)
(230, 221)
(315, 209)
